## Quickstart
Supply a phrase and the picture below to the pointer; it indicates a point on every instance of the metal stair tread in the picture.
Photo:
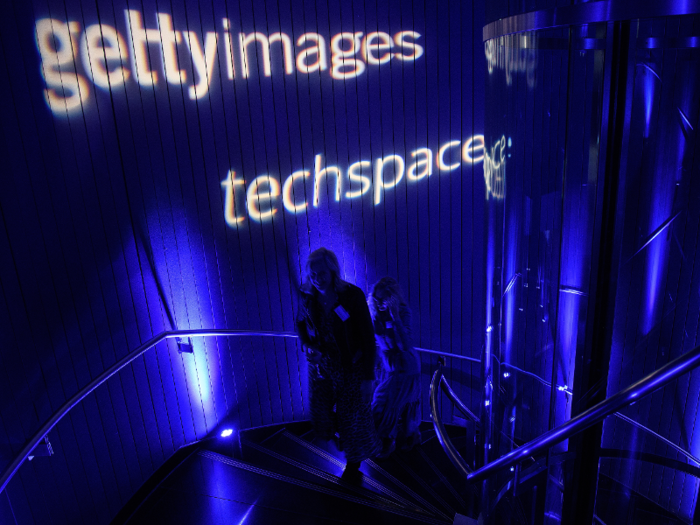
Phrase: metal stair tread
(332, 464)
(369, 503)
(300, 470)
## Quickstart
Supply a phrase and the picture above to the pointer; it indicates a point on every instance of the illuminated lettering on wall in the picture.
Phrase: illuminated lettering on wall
(261, 199)
(72, 58)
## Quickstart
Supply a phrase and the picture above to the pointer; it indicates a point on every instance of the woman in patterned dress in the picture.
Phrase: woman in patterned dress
(396, 403)
(335, 328)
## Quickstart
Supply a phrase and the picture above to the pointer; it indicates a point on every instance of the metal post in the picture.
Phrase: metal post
(592, 364)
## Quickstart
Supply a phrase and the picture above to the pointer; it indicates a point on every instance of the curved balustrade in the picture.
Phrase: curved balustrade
(14, 466)
(104, 376)
(444, 440)
(667, 442)
(455, 456)
(633, 393)
(560, 388)
(447, 389)
(654, 459)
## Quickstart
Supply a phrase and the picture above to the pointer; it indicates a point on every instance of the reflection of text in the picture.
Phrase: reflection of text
(264, 196)
(155, 52)
(495, 169)
(513, 54)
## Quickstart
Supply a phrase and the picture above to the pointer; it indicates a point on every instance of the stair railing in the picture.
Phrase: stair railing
(31, 444)
(14, 465)
(655, 380)
(445, 442)
(632, 394)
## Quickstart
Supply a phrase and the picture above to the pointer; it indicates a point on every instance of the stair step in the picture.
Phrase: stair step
(435, 456)
(211, 488)
(286, 493)
(386, 473)
(325, 457)
(409, 474)
(270, 460)
(169, 509)
(418, 464)
(415, 473)
(262, 434)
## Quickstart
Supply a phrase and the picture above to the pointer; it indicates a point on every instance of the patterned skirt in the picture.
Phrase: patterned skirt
(333, 387)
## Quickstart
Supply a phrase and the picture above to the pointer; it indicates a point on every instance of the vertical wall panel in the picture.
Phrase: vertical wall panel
(114, 225)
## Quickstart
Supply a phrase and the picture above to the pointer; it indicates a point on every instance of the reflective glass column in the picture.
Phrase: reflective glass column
(591, 167)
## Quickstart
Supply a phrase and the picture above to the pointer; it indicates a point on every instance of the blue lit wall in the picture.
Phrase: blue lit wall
(171, 165)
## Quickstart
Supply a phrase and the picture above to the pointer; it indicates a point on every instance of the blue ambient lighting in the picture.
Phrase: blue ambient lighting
(247, 513)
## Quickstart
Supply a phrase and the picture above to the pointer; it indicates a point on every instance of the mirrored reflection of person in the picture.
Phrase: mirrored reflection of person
(396, 403)
(335, 328)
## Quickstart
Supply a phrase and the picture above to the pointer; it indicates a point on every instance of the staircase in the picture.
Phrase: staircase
(282, 474)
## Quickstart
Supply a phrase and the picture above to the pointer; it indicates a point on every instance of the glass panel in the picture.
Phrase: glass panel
(642, 478)
(527, 494)
(542, 134)
(657, 304)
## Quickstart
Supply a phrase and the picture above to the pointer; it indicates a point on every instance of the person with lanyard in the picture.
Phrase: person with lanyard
(335, 328)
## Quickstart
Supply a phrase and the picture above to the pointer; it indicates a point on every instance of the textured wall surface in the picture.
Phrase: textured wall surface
(170, 165)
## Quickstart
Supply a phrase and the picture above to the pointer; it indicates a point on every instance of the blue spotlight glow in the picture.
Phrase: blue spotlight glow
(245, 516)
(226, 432)
(649, 87)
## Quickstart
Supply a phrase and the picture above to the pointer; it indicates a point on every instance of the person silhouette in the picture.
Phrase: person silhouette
(396, 402)
(335, 328)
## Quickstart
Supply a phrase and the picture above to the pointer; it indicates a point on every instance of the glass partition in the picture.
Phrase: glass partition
(592, 215)
(657, 295)
(542, 139)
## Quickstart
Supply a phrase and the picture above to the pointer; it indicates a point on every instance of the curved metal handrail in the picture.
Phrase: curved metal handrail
(452, 396)
(104, 376)
(435, 352)
(648, 457)
(645, 386)
(444, 440)
(15, 464)
(633, 393)
(560, 388)
(666, 441)
(623, 417)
